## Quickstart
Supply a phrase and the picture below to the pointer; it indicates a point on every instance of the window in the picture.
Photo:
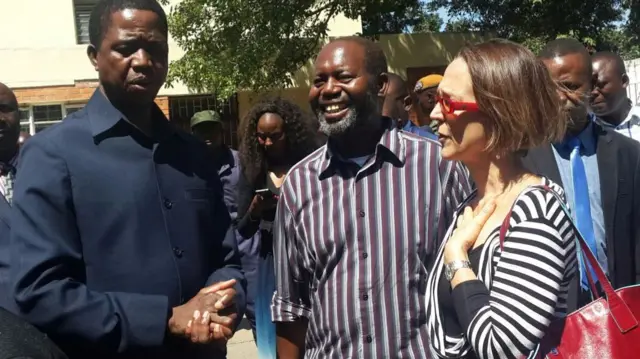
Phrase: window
(82, 13)
(25, 115)
(36, 118)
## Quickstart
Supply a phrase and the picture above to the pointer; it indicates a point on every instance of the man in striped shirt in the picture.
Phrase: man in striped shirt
(359, 220)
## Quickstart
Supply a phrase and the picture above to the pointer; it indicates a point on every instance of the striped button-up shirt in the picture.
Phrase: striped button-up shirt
(353, 245)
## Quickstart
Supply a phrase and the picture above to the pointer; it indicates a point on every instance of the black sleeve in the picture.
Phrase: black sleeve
(468, 299)
(246, 227)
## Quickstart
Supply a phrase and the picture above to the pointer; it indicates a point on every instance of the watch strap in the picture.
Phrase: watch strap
(452, 267)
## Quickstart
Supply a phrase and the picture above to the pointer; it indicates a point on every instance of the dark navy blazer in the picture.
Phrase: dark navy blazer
(111, 229)
(6, 297)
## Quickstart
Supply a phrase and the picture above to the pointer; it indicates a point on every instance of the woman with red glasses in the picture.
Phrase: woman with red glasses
(274, 136)
(487, 296)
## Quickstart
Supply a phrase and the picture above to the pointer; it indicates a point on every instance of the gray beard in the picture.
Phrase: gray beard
(338, 129)
(351, 121)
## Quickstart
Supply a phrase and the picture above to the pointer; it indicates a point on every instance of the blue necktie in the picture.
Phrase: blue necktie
(583, 208)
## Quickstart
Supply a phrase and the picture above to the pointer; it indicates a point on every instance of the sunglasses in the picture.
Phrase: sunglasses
(273, 136)
(449, 106)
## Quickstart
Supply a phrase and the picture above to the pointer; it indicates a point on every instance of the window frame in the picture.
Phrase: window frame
(84, 7)
(31, 121)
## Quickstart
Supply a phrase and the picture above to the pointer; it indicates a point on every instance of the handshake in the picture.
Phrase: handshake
(208, 317)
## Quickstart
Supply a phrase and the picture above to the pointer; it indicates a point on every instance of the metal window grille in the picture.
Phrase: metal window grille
(82, 12)
(182, 108)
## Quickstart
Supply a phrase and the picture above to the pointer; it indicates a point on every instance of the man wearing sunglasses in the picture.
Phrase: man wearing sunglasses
(599, 170)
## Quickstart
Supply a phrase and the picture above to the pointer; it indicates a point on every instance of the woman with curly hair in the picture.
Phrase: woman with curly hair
(274, 136)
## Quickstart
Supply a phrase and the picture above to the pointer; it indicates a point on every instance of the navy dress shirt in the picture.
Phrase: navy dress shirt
(112, 228)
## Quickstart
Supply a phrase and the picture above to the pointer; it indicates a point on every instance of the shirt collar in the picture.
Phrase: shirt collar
(103, 116)
(6, 167)
(390, 147)
(408, 126)
(633, 118)
(587, 136)
(227, 157)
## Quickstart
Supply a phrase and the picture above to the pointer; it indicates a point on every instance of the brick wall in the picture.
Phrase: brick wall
(163, 103)
(79, 93)
(54, 94)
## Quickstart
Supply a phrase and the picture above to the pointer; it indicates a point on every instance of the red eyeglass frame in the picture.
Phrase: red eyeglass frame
(453, 106)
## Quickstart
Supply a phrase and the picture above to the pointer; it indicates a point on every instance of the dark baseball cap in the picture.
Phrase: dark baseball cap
(205, 116)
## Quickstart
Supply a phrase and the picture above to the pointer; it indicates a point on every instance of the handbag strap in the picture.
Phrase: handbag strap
(620, 312)
(505, 228)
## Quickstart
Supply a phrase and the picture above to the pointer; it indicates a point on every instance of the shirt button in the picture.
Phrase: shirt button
(365, 255)
(369, 339)
(178, 252)
(361, 213)
(168, 204)
(365, 297)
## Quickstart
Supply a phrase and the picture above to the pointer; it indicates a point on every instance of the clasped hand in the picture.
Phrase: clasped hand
(208, 317)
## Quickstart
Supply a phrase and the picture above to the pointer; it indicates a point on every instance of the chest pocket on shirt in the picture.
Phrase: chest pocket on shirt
(199, 194)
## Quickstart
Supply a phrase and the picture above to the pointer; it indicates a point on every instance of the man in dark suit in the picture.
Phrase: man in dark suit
(18, 339)
(118, 217)
(9, 132)
(609, 99)
(609, 167)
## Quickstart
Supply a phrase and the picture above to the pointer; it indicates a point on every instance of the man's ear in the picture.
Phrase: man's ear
(625, 80)
(92, 54)
(408, 102)
(383, 85)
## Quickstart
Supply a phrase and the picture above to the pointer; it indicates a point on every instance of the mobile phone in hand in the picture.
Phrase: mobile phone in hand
(263, 192)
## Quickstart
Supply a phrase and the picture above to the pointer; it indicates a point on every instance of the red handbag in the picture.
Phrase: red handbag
(606, 328)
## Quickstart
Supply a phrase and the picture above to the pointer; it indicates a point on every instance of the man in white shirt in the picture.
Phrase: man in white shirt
(609, 96)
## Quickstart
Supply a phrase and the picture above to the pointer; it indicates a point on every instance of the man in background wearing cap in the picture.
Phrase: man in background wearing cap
(397, 104)
(425, 98)
(208, 127)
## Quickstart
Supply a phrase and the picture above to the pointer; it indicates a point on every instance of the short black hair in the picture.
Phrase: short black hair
(375, 61)
(616, 59)
(399, 81)
(397, 78)
(566, 46)
(562, 47)
(100, 18)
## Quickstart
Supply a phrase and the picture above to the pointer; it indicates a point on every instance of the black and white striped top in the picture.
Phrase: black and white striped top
(521, 288)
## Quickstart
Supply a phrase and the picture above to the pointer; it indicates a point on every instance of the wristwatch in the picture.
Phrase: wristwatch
(452, 267)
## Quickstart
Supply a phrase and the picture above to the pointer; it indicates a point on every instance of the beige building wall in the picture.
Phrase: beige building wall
(43, 51)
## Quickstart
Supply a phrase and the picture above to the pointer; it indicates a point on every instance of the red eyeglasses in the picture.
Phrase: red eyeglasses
(449, 106)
